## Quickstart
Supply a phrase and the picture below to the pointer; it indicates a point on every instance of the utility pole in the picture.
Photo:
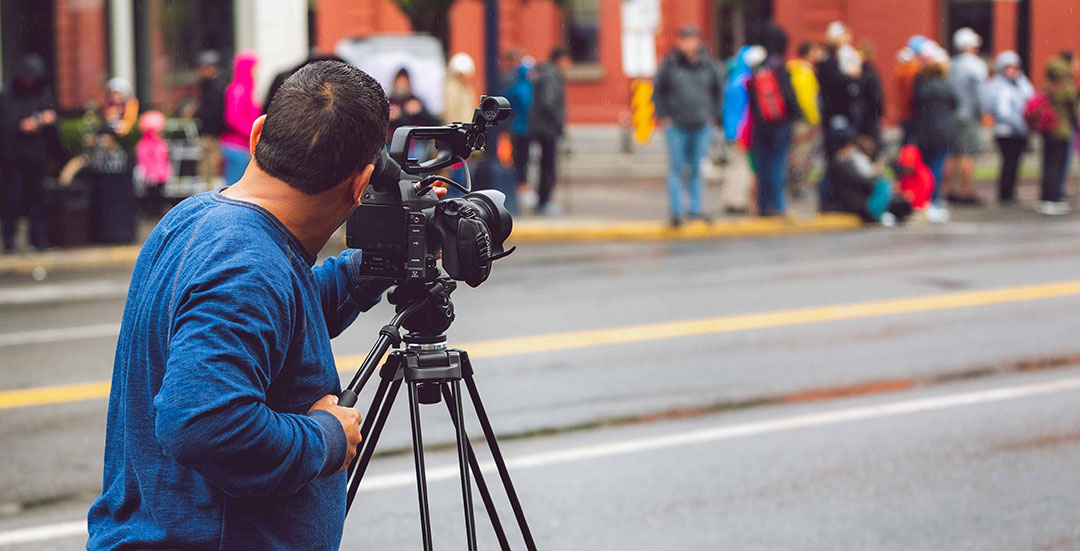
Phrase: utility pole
(491, 46)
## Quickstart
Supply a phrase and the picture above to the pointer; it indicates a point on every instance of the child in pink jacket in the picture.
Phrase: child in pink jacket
(152, 156)
(240, 114)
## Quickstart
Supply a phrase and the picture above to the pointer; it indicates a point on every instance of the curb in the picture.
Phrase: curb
(555, 231)
(525, 231)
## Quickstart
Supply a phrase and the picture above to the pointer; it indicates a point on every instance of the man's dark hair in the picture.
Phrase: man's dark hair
(805, 47)
(327, 121)
(559, 52)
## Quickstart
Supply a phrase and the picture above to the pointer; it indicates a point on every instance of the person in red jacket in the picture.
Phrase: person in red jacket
(915, 180)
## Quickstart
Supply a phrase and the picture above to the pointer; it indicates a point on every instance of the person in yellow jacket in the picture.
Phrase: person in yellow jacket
(807, 131)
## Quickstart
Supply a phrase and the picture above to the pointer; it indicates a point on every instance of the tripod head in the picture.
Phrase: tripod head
(428, 323)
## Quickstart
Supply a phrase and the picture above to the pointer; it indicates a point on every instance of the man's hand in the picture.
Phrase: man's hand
(350, 421)
(48, 117)
(29, 125)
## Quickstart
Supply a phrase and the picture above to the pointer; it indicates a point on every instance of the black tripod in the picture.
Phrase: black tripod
(434, 373)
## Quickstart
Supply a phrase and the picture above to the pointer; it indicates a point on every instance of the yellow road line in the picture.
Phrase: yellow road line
(572, 340)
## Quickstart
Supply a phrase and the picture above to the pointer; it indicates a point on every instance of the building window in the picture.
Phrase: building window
(582, 30)
(169, 35)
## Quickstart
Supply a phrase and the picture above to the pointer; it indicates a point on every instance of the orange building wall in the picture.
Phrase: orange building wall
(81, 64)
(338, 19)
(1054, 25)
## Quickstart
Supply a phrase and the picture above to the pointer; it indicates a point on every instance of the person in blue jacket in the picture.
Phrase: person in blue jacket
(223, 428)
(520, 95)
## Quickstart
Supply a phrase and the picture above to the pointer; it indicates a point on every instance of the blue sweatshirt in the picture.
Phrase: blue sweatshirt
(225, 344)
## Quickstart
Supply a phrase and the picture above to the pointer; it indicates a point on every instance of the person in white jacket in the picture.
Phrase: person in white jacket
(1005, 97)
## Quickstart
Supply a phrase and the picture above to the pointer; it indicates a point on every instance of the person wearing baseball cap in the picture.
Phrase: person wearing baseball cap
(967, 75)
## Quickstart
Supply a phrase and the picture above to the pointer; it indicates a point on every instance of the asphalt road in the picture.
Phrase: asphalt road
(934, 310)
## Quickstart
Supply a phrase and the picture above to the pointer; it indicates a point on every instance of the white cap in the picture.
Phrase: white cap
(905, 55)
(462, 64)
(937, 54)
(966, 38)
(850, 61)
(835, 30)
(755, 55)
(117, 84)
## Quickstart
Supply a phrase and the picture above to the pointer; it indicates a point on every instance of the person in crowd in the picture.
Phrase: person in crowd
(806, 131)
(1061, 94)
(914, 179)
(773, 108)
(839, 95)
(1005, 98)
(152, 158)
(547, 121)
(120, 112)
(907, 69)
(934, 122)
(861, 187)
(508, 66)
(871, 103)
(27, 118)
(688, 95)
(520, 95)
(738, 195)
(211, 115)
(460, 98)
(967, 73)
(405, 108)
(240, 113)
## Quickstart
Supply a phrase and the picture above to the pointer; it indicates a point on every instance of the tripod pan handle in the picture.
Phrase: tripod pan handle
(347, 399)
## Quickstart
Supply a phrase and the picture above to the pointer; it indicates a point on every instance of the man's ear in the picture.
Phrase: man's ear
(256, 132)
(360, 183)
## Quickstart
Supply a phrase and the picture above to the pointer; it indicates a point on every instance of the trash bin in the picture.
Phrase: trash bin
(67, 213)
(115, 212)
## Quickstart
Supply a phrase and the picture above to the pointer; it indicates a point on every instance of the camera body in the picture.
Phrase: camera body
(402, 226)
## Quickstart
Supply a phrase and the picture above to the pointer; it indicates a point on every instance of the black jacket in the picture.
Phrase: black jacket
(19, 101)
(211, 113)
(690, 94)
(547, 117)
(934, 113)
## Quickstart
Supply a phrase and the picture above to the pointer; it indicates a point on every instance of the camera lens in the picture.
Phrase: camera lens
(495, 108)
(490, 207)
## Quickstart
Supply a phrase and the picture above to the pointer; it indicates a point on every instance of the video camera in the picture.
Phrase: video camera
(402, 226)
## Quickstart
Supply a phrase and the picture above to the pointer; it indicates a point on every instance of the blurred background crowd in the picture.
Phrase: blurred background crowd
(115, 108)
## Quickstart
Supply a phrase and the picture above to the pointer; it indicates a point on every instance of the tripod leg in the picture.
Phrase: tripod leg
(500, 463)
(421, 474)
(478, 475)
(384, 399)
(463, 460)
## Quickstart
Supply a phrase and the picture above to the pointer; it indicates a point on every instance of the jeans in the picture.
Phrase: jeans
(935, 161)
(686, 148)
(1012, 147)
(20, 193)
(521, 157)
(771, 144)
(1055, 159)
(236, 161)
(548, 153)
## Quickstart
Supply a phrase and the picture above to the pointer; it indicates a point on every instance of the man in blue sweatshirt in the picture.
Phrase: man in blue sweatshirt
(223, 428)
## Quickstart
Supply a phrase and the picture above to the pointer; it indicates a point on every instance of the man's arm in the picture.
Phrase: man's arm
(229, 338)
(344, 292)
(660, 91)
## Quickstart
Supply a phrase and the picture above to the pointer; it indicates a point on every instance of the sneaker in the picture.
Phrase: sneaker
(549, 209)
(700, 216)
(675, 222)
(888, 220)
(1052, 208)
(527, 197)
(937, 214)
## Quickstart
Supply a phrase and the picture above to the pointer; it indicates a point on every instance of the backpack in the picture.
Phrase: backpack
(1040, 114)
(769, 96)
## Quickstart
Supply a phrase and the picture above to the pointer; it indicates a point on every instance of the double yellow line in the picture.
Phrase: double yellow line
(573, 340)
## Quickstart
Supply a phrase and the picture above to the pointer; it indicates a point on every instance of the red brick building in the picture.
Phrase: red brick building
(598, 89)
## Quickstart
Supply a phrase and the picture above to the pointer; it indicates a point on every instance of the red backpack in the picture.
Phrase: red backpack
(769, 96)
(1040, 114)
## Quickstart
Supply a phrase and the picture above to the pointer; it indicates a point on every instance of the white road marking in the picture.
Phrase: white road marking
(45, 532)
(38, 336)
(637, 445)
(61, 292)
